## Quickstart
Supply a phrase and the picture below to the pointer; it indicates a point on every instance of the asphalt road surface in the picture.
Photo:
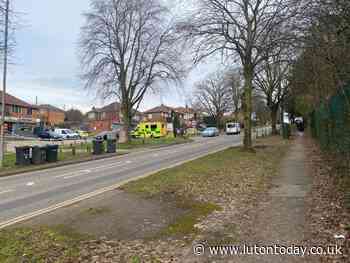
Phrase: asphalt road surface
(27, 194)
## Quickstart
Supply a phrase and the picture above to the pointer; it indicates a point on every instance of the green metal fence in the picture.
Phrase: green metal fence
(330, 123)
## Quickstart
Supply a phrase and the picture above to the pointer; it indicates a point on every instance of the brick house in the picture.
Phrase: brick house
(189, 116)
(51, 115)
(19, 115)
(163, 113)
(108, 118)
(103, 119)
(159, 113)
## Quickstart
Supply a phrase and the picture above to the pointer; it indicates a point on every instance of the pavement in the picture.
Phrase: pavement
(27, 195)
(280, 219)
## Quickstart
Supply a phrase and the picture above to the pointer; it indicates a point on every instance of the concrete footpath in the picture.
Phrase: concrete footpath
(280, 218)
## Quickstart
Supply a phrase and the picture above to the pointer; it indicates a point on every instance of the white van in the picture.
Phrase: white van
(233, 128)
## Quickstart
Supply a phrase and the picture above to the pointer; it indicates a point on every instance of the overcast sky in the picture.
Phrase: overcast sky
(46, 66)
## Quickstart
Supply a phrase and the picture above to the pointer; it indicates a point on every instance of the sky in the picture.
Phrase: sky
(45, 67)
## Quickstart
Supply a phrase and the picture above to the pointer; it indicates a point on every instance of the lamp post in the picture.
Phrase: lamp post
(4, 81)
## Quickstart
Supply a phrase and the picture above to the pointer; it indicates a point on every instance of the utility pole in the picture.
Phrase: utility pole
(4, 81)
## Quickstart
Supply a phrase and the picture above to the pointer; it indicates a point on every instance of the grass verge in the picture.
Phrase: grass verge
(206, 184)
(55, 244)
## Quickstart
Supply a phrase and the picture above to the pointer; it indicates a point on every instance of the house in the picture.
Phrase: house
(187, 116)
(103, 119)
(108, 118)
(19, 115)
(159, 113)
(51, 115)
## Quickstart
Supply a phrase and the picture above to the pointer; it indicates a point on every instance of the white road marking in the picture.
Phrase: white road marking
(87, 171)
(83, 172)
(67, 174)
(128, 162)
(107, 166)
(30, 184)
(6, 191)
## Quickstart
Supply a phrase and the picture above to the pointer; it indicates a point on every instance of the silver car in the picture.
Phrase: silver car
(210, 132)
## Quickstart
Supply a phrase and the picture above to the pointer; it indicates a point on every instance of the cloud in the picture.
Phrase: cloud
(46, 63)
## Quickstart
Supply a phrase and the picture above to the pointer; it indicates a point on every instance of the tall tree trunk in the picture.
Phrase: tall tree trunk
(274, 120)
(218, 120)
(126, 118)
(248, 87)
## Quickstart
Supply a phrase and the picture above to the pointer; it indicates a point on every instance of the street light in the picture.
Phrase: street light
(4, 81)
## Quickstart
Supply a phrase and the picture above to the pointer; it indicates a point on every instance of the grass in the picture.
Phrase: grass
(55, 244)
(195, 178)
(185, 224)
(9, 160)
(205, 183)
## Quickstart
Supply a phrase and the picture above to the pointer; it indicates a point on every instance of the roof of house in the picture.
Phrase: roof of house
(50, 108)
(11, 100)
(161, 108)
(115, 106)
(184, 110)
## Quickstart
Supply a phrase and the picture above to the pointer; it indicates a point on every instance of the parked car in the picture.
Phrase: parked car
(210, 132)
(48, 134)
(233, 128)
(73, 135)
(67, 134)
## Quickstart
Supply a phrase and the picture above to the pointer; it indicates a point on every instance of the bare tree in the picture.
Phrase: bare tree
(214, 96)
(260, 109)
(242, 29)
(127, 46)
(233, 79)
(271, 79)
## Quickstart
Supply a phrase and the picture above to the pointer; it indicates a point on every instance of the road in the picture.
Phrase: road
(26, 195)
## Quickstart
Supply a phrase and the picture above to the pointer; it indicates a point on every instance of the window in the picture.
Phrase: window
(16, 109)
(147, 126)
(153, 127)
